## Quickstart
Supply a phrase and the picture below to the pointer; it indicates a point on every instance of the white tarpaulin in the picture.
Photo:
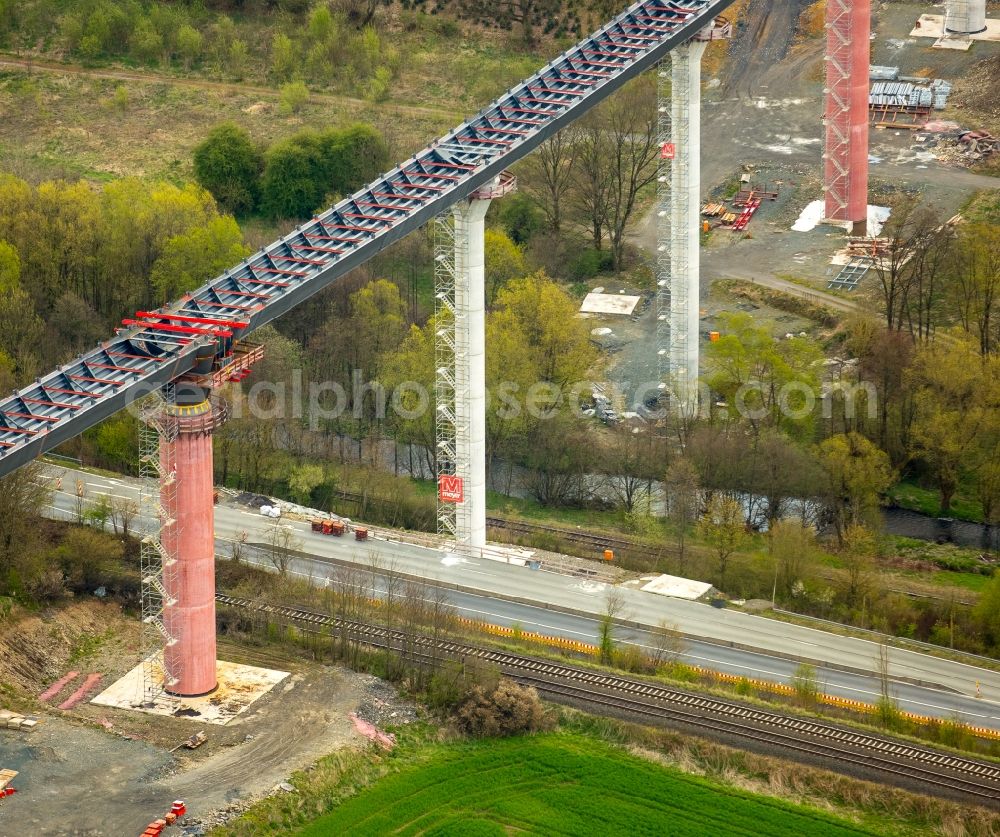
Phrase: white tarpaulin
(679, 588)
(813, 214)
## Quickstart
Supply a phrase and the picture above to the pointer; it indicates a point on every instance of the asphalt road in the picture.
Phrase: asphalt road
(724, 640)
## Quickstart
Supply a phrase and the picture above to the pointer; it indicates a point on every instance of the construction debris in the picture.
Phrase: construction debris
(192, 743)
(14, 720)
(6, 777)
(978, 144)
(747, 200)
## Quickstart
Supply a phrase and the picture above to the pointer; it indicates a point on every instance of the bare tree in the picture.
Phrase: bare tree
(527, 14)
(911, 232)
(667, 643)
(281, 543)
(888, 708)
(80, 505)
(238, 545)
(591, 174)
(123, 512)
(550, 176)
(23, 496)
(614, 608)
(683, 503)
(633, 135)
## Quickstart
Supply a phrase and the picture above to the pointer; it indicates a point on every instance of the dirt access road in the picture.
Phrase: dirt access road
(766, 109)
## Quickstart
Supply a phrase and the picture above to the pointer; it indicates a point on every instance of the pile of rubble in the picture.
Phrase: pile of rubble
(976, 145)
(954, 144)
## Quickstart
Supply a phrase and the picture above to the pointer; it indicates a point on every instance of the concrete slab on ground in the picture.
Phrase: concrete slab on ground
(239, 686)
(932, 26)
(676, 587)
(597, 303)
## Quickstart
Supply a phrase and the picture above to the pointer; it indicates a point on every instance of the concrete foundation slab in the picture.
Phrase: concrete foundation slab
(932, 26)
(676, 587)
(962, 44)
(239, 686)
(596, 303)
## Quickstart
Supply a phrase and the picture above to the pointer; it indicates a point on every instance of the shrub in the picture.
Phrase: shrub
(506, 710)
(229, 166)
(521, 218)
(586, 265)
(805, 684)
(293, 96)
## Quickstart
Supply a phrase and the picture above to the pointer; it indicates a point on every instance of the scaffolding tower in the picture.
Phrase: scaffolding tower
(450, 350)
(848, 25)
(157, 513)
(664, 190)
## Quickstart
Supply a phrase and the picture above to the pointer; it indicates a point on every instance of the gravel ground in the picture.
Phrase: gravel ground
(102, 771)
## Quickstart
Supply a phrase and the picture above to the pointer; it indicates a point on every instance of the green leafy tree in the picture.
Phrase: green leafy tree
(284, 58)
(793, 548)
(303, 480)
(858, 474)
(957, 396)
(189, 45)
(321, 25)
(190, 259)
(724, 528)
(504, 261)
(229, 165)
(293, 185)
(10, 268)
(764, 381)
(987, 612)
(559, 341)
(858, 555)
(353, 157)
(237, 58)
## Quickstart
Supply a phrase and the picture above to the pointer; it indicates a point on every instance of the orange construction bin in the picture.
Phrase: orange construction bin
(336, 528)
(713, 336)
(609, 555)
(361, 533)
(317, 525)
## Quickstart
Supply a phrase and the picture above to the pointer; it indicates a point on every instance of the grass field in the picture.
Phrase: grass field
(559, 784)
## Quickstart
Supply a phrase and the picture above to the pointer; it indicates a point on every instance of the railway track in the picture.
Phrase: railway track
(589, 539)
(594, 542)
(948, 773)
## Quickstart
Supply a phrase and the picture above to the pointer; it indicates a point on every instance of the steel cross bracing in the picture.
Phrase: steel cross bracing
(160, 346)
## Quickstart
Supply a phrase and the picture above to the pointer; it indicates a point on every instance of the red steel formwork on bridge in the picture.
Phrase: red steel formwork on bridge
(848, 25)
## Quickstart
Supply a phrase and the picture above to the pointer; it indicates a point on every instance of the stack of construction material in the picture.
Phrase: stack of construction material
(883, 73)
(910, 93)
(14, 720)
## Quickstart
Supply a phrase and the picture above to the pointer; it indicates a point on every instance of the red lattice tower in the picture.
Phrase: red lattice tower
(848, 27)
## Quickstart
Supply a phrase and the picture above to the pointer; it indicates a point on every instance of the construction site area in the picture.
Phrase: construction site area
(781, 153)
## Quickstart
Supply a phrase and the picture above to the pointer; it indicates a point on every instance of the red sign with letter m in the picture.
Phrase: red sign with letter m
(450, 489)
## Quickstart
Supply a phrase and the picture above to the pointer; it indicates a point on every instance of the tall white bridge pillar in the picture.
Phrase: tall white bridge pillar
(678, 258)
(460, 280)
